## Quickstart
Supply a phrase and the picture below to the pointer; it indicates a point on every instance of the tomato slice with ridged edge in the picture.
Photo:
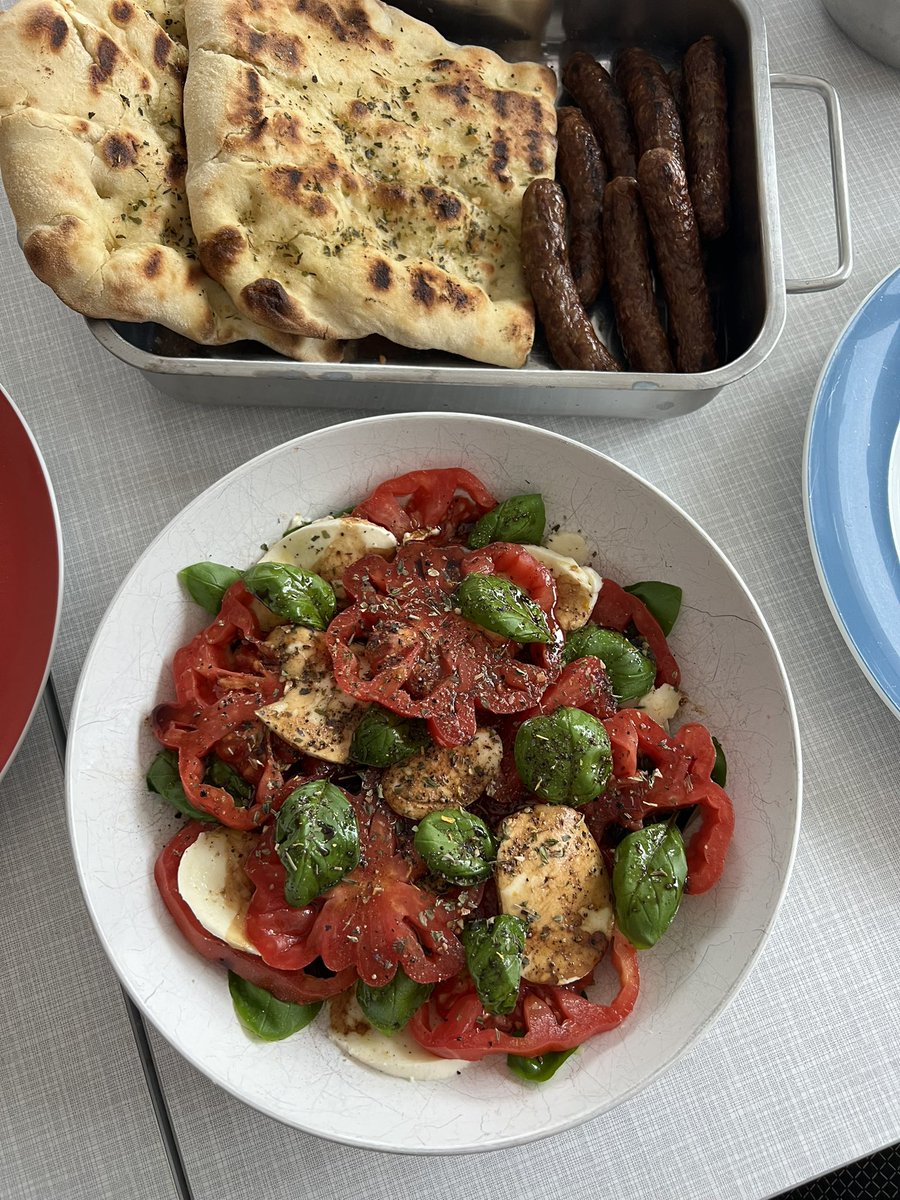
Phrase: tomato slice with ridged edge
(404, 645)
(438, 499)
(682, 765)
(708, 846)
(293, 987)
(453, 1023)
(617, 609)
(375, 919)
(222, 676)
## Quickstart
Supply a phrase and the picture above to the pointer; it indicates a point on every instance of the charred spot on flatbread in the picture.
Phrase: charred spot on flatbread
(222, 250)
(107, 56)
(121, 11)
(118, 150)
(444, 206)
(271, 305)
(176, 166)
(47, 27)
(162, 48)
(350, 24)
(380, 275)
(49, 250)
(153, 263)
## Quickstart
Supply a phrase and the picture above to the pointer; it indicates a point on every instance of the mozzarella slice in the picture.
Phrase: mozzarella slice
(440, 778)
(400, 1055)
(551, 873)
(570, 545)
(661, 703)
(313, 715)
(330, 545)
(577, 588)
(214, 886)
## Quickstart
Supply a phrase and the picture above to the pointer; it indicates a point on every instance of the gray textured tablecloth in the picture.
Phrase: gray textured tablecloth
(801, 1074)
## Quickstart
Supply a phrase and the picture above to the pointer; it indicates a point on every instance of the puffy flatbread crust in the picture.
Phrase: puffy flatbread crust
(93, 160)
(352, 172)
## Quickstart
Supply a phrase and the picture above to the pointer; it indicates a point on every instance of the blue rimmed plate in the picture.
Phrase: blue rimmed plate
(851, 486)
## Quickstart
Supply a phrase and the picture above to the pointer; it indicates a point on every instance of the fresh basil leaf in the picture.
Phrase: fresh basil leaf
(518, 519)
(649, 873)
(299, 596)
(207, 583)
(631, 673)
(720, 768)
(540, 1068)
(503, 607)
(265, 1017)
(163, 779)
(388, 1008)
(221, 775)
(494, 950)
(385, 739)
(317, 840)
(663, 600)
(456, 844)
(564, 757)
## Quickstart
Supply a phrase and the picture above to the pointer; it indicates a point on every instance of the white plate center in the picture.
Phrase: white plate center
(893, 490)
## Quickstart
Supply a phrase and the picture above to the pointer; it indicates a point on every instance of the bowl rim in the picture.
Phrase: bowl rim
(563, 1124)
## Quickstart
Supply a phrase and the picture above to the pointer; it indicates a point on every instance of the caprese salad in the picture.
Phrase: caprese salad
(425, 760)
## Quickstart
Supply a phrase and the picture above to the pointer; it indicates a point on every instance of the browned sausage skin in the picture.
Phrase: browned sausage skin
(630, 283)
(706, 135)
(670, 215)
(648, 93)
(676, 82)
(596, 96)
(582, 172)
(573, 341)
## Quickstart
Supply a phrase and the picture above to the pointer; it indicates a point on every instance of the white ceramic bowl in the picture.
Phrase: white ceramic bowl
(872, 24)
(733, 675)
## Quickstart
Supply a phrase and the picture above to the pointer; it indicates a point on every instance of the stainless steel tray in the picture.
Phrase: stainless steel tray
(746, 269)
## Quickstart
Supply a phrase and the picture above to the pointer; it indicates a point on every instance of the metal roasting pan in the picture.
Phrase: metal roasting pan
(745, 268)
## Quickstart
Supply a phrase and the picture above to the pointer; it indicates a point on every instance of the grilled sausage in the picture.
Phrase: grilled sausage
(573, 341)
(582, 172)
(648, 94)
(670, 216)
(630, 282)
(706, 135)
(596, 96)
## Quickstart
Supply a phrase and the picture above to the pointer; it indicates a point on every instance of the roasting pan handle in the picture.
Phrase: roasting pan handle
(838, 183)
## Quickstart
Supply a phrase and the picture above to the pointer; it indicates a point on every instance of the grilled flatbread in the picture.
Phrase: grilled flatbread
(92, 158)
(352, 172)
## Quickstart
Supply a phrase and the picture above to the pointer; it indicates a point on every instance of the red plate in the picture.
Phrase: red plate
(30, 576)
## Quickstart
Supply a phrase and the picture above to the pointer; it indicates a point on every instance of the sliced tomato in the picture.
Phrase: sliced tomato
(293, 987)
(375, 919)
(708, 846)
(617, 609)
(436, 499)
(583, 684)
(279, 932)
(454, 1023)
(655, 773)
(403, 645)
(222, 676)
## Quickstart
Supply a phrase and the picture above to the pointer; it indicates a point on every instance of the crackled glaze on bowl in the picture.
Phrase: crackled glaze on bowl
(735, 682)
